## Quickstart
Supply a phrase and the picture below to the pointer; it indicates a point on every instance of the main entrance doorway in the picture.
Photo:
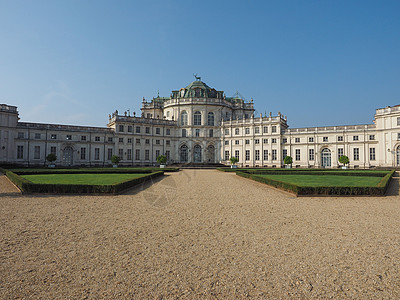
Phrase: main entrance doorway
(68, 156)
(197, 154)
(326, 158)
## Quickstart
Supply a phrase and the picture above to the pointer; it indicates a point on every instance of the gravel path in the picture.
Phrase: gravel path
(199, 234)
(7, 188)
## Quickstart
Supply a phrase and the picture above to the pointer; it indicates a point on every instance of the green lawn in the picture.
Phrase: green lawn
(325, 180)
(92, 179)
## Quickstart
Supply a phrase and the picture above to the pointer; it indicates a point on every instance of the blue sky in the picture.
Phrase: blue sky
(318, 62)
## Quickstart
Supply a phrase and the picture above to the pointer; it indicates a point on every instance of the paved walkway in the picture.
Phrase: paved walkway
(7, 188)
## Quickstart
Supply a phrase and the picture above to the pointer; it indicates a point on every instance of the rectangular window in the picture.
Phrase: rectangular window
(273, 129)
(21, 135)
(137, 154)
(121, 153)
(183, 132)
(121, 140)
(226, 142)
(157, 154)
(227, 155)
(274, 154)
(273, 141)
(83, 153)
(311, 140)
(97, 139)
(226, 131)
(256, 141)
(284, 140)
(129, 140)
(130, 128)
(53, 136)
(257, 155)
(257, 130)
(121, 128)
(236, 142)
(147, 129)
(237, 154)
(197, 118)
(157, 142)
(398, 121)
(137, 129)
(340, 138)
(297, 140)
(355, 137)
(398, 136)
(236, 131)
(53, 150)
(340, 152)
(297, 154)
(247, 154)
(147, 141)
(284, 153)
(68, 137)
(325, 139)
(265, 154)
(168, 131)
(168, 142)
(129, 154)
(36, 153)
(83, 137)
(168, 154)
(247, 130)
(265, 141)
(371, 153)
(247, 142)
(158, 130)
(20, 152)
(38, 136)
(372, 137)
(109, 153)
(147, 155)
(211, 133)
(265, 129)
(110, 139)
(137, 141)
(311, 155)
(96, 153)
(356, 152)
(197, 132)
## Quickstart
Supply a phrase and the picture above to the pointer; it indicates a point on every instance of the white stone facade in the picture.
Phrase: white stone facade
(199, 124)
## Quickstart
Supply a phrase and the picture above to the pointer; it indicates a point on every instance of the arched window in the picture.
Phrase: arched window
(183, 153)
(197, 154)
(197, 118)
(210, 119)
(326, 157)
(184, 118)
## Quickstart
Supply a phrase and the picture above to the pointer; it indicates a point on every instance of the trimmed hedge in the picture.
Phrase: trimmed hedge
(378, 190)
(28, 187)
(91, 171)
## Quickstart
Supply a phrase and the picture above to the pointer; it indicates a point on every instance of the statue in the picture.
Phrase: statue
(198, 78)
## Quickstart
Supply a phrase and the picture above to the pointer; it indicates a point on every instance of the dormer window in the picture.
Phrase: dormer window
(197, 92)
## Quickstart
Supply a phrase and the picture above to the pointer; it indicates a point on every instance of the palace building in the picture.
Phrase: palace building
(200, 125)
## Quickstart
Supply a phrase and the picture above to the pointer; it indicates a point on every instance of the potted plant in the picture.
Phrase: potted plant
(51, 158)
(288, 160)
(162, 159)
(115, 159)
(344, 160)
(233, 161)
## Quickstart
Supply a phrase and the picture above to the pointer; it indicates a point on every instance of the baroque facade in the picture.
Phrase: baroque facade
(198, 124)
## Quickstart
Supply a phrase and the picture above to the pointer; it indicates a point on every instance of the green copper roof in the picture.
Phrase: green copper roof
(198, 84)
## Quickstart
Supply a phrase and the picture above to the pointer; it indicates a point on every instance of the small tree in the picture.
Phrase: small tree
(115, 159)
(288, 160)
(344, 160)
(234, 160)
(162, 159)
(51, 157)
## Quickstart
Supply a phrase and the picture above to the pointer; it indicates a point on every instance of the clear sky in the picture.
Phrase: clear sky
(318, 62)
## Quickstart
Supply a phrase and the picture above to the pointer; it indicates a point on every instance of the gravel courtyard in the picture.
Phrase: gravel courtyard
(199, 234)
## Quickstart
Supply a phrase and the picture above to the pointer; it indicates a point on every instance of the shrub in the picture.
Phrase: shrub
(51, 157)
(115, 159)
(162, 159)
(288, 160)
(234, 160)
(344, 160)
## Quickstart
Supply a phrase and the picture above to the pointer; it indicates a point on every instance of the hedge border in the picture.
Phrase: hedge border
(378, 190)
(28, 187)
(90, 171)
